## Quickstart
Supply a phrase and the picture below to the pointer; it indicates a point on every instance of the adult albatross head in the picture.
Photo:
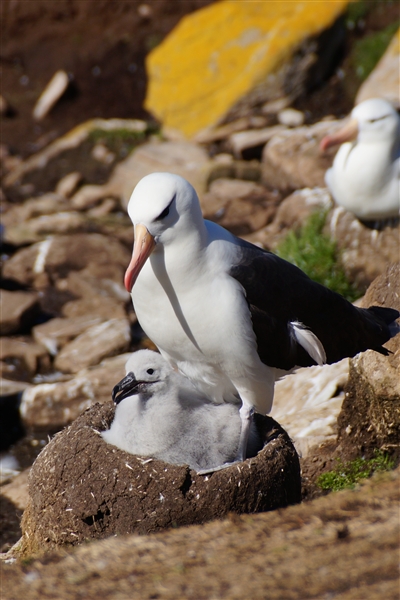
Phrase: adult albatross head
(162, 208)
(374, 120)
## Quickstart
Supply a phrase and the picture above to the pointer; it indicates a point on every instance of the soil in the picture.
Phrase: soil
(342, 547)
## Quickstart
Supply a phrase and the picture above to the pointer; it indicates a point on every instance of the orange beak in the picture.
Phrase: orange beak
(142, 248)
(345, 134)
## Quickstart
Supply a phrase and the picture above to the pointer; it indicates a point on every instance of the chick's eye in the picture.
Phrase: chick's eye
(150, 371)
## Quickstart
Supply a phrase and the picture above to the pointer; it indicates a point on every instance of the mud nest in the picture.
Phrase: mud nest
(83, 488)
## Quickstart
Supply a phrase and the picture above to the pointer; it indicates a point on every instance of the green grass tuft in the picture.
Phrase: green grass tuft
(346, 475)
(368, 50)
(318, 256)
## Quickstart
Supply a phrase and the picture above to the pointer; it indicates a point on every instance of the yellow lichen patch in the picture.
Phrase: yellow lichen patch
(219, 53)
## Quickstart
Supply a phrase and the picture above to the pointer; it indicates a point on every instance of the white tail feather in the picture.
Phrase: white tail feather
(309, 341)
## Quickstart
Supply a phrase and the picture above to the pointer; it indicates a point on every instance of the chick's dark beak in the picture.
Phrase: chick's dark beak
(124, 388)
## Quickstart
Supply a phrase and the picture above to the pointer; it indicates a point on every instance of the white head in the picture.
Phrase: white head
(374, 120)
(377, 120)
(162, 207)
(147, 373)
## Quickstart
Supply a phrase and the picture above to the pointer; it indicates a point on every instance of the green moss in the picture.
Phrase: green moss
(121, 141)
(367, 51)
(356, 11)
(318, 256)
(346, 475)
(116, 136)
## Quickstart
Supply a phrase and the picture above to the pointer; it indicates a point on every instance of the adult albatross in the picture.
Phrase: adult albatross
(227, 314)
(365, 176)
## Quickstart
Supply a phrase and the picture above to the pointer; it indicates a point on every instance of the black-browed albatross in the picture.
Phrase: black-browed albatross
(159, 413)
(229, 315)
(365, 175)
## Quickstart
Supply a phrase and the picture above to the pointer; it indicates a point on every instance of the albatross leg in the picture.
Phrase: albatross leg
(246, 413)
(246, 416)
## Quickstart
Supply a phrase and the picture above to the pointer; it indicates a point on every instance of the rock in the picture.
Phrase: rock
(101, 153)
(221, 53)
(254, 138)
(96, 343)
(47, 204)
(82, 488)
(17, 490)
(50, 95)
(292, 158)
(21, 358)
(52, 406)
(290, 117)
(95, 306)
(57, 332)
(370, 417)
(240, 206)
(17, 310)
(308, 402)
(384, 81)
(273, 107)
(57, 256)
(68, 184)
(221, 132)
(72, 139)
(246, 170)
(8, 387)
(40, 228)
(180, 157)
(99, 279)
(291, 215)
(105, 208)
(89, 195)
(365, 251)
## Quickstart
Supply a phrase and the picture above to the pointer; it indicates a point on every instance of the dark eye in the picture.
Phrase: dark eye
(377, 119)
(165, 212)
(150, 371)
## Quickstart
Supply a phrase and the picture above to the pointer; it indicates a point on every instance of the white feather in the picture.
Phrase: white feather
(309, 341)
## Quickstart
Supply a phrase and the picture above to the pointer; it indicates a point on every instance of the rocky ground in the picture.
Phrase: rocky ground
(66, 243)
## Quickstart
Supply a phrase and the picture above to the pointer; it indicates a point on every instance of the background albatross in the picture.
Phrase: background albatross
(365, 176)
(229, 315)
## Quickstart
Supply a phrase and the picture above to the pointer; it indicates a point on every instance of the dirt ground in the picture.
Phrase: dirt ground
(343, 546)
(101, 44)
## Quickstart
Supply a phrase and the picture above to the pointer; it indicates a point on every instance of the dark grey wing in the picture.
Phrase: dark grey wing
(278, 294)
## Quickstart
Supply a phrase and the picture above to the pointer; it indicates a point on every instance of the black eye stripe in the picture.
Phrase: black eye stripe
(378, 119)
(165, 212)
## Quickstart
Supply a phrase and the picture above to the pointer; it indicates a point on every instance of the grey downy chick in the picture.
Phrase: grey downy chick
(159, 413)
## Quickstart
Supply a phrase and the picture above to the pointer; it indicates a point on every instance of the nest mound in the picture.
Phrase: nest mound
(82, 488)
